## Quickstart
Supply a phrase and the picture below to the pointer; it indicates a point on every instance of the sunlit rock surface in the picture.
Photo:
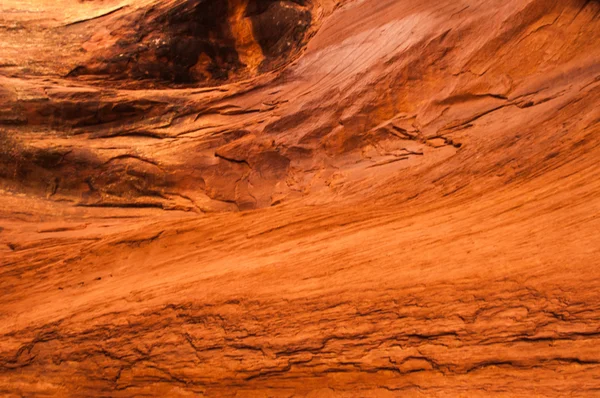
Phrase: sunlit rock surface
(345, 198)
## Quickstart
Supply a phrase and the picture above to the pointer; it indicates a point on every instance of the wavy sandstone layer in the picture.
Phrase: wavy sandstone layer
(351, 198)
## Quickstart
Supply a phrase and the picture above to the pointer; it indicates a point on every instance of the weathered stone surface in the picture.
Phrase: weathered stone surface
(299, 198)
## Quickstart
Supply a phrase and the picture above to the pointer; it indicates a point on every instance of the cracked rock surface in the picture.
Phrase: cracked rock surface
(299, 198)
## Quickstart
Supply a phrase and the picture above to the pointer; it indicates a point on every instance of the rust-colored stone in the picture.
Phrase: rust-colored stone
(345, 198)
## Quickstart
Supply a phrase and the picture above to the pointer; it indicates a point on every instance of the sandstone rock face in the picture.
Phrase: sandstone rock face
(299, 198)
(200, 41)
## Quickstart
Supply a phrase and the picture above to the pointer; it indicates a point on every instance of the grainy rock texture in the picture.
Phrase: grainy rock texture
(346, 198)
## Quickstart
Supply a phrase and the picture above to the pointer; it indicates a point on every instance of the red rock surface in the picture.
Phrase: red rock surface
(350, 198)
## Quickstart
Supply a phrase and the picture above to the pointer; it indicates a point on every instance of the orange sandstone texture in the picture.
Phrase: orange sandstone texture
(310, 198)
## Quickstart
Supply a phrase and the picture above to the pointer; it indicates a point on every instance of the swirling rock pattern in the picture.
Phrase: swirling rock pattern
(299, 198)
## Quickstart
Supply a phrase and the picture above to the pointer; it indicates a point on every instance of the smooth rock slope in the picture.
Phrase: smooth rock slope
(346, 198)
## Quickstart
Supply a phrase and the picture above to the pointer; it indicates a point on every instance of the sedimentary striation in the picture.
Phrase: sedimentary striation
(299, 198)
